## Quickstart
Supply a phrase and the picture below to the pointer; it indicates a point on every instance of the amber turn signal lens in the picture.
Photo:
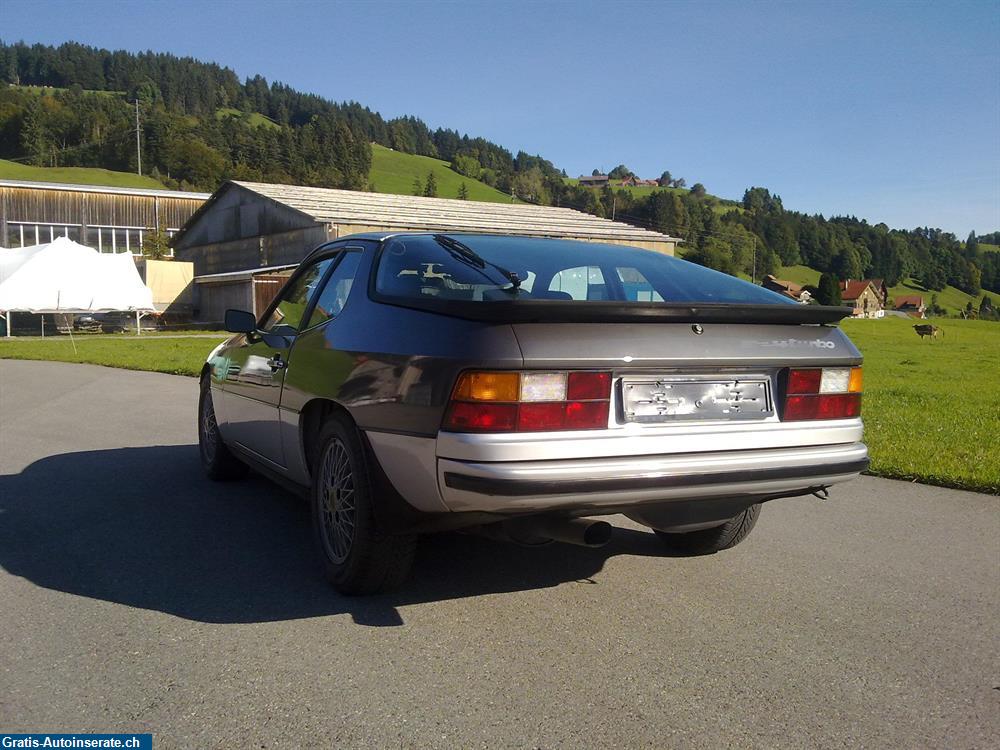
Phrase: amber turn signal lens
(856, 384)
(488, 386)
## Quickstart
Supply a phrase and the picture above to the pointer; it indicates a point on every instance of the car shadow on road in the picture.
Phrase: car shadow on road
(145, 528)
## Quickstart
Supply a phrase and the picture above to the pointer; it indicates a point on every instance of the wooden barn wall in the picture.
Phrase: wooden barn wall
(212, 300)
(239, 214)
(253, 252)
(94, 209)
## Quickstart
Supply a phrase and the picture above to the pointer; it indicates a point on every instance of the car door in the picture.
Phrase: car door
(256, 373)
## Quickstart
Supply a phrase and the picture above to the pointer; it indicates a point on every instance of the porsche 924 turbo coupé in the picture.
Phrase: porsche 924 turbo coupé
(522, 387)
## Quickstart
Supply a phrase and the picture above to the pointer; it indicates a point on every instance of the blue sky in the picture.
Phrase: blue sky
(885, 110)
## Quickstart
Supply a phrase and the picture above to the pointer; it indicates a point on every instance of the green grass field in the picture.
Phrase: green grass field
(10, 170)
(176, 356)
(987, 248)
(394, 172)
(931, 409)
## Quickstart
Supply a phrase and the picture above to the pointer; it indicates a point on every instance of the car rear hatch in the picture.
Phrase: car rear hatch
(676, 388)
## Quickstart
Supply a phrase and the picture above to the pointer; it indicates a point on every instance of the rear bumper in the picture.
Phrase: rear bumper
(606, 483)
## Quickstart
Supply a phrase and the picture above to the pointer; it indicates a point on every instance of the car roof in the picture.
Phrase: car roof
(519, 239)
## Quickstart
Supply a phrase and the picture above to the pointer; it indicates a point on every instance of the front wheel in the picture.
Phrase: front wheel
(217, 460)
(715, 539)
(357, 557)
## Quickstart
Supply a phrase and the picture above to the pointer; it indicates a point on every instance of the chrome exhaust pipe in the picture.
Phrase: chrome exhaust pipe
(583, 532)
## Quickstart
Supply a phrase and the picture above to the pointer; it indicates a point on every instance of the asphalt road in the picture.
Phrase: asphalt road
(137, 596)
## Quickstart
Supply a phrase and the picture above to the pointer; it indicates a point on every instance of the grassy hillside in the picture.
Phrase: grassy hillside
(798, 274)
(52, 90)
(10, 170)
(394, 172)
(719, 205)
(254, 119)
(952, 299)
(989, 248)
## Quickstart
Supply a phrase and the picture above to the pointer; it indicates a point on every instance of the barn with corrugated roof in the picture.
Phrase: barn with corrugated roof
(248, 232)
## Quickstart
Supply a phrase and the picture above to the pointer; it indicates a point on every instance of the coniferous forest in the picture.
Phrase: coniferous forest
(200, 124)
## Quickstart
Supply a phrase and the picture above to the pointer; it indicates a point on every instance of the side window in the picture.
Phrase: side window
(295, 298)
(637, 287)
(334, 295)
(581, 283)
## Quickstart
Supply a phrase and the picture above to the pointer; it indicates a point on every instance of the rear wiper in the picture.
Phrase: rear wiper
(463, 252)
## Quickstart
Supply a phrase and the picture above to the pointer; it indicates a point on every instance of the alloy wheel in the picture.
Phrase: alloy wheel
(337, 501)
(209, 429)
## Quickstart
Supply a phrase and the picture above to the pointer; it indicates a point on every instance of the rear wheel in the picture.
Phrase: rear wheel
(217, 460)
(715, 539)
(357, 557)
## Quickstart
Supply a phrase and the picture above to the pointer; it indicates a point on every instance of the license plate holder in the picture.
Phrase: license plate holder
(686, 398)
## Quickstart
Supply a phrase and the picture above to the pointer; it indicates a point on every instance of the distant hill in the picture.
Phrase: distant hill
(201, 124)
(718, 205)
(395, 171)
(10, 170)
(950, 298)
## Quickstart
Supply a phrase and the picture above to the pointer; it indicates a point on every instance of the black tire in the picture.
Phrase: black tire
(716, 539)
(218, 461)
(357, 557)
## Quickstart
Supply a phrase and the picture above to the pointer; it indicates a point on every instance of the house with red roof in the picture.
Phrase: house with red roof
(787, 288)
(864, 297)
(911, 304)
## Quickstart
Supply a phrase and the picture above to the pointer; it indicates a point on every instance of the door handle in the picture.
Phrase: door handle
(277, 363)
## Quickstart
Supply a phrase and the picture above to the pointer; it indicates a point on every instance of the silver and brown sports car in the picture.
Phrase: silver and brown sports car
(520, 387)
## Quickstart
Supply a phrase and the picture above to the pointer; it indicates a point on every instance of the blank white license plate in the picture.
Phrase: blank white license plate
(675, 399)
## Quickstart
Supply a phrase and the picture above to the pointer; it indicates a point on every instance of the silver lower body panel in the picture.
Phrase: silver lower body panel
(604, 484)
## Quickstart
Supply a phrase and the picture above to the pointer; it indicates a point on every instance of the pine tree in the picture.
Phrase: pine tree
(431, 189)
(972, 246)
(156, 243)
(418, 187)
(828, 292)
(463, 192)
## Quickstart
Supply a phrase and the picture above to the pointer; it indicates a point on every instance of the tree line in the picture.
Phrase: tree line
(200, 125)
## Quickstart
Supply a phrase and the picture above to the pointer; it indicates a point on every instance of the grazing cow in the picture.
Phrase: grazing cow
(926, 329)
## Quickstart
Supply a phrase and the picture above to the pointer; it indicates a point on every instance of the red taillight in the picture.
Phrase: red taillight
(826, 406)
(529, 402)
(586, 415)
(541, 416)
(804, 381)
(584, 386)
(464, 416)
(822, 393)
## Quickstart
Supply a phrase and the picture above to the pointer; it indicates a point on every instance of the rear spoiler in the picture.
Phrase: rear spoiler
(566, 311)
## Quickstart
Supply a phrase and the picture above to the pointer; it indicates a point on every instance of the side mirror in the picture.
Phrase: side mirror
(240, 321)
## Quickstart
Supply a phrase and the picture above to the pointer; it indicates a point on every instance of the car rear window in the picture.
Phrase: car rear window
(425, 268)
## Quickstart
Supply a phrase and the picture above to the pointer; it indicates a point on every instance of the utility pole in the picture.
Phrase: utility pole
(138, 147)
(614, 203)
(753, 272)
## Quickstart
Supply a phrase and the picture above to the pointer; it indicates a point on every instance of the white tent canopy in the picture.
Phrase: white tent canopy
(65, 276)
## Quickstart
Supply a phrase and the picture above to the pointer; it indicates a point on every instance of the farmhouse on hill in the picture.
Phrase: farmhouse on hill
(863, 297)
(593, 180)
(788, 288)
(633, 181)
(247, 233)
(911, 304)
